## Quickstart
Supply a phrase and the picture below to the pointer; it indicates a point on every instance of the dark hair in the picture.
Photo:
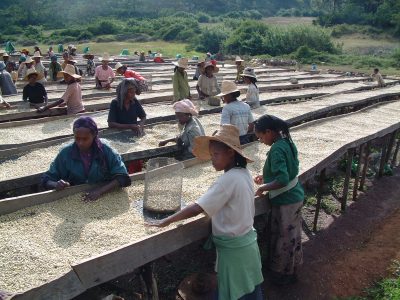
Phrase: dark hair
(252, 80)
(270, 122)
(240, 161)
(236, 94)
(376, 70)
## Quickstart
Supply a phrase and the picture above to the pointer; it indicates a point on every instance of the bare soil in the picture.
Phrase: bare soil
(353, 251)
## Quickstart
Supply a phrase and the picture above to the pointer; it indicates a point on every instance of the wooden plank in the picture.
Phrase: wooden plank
(102, 268)
(319, 198)
(65, 287)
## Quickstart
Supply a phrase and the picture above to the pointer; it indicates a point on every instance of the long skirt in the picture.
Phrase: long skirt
(285, 248)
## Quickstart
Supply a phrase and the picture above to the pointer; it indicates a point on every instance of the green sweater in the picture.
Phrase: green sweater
(181, 86)
(283, 165)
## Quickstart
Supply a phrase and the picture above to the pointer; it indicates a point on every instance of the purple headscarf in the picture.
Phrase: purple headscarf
(89, 123)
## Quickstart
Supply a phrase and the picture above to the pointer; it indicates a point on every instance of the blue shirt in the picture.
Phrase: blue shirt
(68, 166)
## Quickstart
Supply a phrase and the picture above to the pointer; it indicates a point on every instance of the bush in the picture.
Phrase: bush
(103, 27)
(254, 38)
(85, 35)
(210, 40)
(105, 39)
(203, 18)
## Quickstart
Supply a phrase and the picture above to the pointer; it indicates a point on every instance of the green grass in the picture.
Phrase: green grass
(288, 20)
(385, 289)
(364, 44)
(168, 49)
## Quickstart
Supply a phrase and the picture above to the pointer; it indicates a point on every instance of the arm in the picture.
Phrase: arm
(122, 126)
(225, 116)
(51, 105)
(141, 124)
(97, 193)
(186, 213)
(274, 185)
(250, 129)
(164, 142)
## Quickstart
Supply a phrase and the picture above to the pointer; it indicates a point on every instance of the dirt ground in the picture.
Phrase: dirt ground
(354, 251)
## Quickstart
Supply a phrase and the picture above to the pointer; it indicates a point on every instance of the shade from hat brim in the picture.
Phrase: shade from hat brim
(87, 55)
(201, 147)
(227, 93)
(76, 76)
(39, 75)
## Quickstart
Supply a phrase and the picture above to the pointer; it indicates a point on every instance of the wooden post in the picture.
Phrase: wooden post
(383, 157)
(357, 178)
(365, 166)
(350, 155)
(149, 283)
(396, 152)
(319, 198)
(390, 146)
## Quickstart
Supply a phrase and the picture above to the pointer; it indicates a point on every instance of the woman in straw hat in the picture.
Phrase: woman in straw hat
(207, 85)
(39, 67)
(186, 114)
(236, 112)
(239, 69)
(199, 69)
(87, 160)
(180, 80)
(24, 66)
(104, 74)
(252, 95)
(230, 204)
(34, 92)
(127, 73)
(125, 110)
(72, 97)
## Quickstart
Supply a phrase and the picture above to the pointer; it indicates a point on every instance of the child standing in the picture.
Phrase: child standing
(285, 195)
(230, 204)
(252, 95)
(90, 66)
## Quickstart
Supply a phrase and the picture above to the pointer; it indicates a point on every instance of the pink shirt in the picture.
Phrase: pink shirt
(133, 74)
(73, 98)
(104, 75)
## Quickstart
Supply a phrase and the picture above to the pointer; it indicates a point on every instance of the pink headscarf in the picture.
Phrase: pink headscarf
(186, 106)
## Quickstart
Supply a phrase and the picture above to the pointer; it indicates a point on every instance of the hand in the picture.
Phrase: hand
(107, 86)
(61, 184)
(91, 196)
(158, 223)
(259, 179)
(260, 191)
(162, 143)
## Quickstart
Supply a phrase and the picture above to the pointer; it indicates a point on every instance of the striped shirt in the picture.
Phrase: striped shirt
(239, 114)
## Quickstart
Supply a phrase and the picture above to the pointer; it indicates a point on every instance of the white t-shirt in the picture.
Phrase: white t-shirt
(252, 96)
(230, 203)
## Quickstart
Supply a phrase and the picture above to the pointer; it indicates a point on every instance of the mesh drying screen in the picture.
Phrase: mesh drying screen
(163, 185)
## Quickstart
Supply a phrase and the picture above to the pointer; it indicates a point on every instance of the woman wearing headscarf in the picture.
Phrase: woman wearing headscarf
(190, 126)
(126, 109)
(87, 160)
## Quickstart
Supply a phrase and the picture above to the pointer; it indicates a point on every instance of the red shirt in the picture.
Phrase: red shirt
(133, 74)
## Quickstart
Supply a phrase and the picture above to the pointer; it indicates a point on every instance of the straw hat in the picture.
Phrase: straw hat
(5, 54)
(37, 55)
(31, 71)
(25, 51)
(88, 55)
(249, 72)
(28, 60)
(198, 286)
(227, 87)
(227, 134)
(238, 58)
(181, 63)
(106, 57)
(70, 70)
(210, 64)
(118, 65)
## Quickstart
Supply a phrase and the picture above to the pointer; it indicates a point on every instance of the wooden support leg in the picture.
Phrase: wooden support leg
(319, 198)
(396, 152)
(383, 157)
(390, 146)
(365, 166)
(350, 155)
(357, 178)
(149, 283)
